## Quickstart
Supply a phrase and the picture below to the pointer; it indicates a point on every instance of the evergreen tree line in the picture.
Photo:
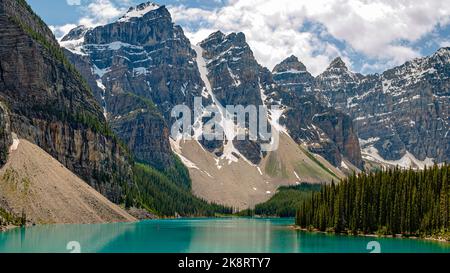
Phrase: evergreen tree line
(286, 200)
(385, 202)
(156, 192)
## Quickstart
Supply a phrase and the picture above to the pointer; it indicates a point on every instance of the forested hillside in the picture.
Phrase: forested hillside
(286, 200)
(158, 193)
(395, 201)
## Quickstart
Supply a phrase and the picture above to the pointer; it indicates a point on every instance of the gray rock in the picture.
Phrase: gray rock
(309, 120)
(404, 109)
(52, 106)
(144, 66)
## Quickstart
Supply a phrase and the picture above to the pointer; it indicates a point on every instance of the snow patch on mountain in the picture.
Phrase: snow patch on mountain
(226, 123)
(74, 46)
(407, 161)
(100, 71)
(139, 11)
(290, 71)
(104, 104)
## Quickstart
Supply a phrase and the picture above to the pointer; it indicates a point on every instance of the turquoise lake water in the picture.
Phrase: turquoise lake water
(200, 236)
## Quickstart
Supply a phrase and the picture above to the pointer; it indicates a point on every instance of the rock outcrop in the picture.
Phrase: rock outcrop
(398, 114)
(323, 129)
(5, 133)
(139, 68)
(142, 65)
(52, 106)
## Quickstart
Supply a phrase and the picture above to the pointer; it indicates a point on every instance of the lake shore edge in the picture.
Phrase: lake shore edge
(398, 236)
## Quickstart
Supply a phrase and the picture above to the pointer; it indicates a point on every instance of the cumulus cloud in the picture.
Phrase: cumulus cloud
(380, 30)
(60, 31)
(101, 12)
(95, 12)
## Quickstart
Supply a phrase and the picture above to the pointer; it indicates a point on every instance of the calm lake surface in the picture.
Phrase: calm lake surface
(240, 235)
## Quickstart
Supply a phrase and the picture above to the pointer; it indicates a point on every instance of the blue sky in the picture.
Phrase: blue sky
(370, 36)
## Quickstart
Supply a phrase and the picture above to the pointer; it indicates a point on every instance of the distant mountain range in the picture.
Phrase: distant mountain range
(142, 65)
(103, 103)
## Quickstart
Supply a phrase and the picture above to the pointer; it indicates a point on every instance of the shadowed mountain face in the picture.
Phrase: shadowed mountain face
(234, 72)
(143, 56)
(401, 115)
(142, 65)
(48, 114)
(51, 105)
(323, 129)
(139, 67)
(292, 75)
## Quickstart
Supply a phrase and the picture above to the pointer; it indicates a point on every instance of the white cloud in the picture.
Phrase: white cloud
(97, 12)
(73, 2)
(445, 43)
(60, 31)
(376, 29)
(380, 30)
(101, 12)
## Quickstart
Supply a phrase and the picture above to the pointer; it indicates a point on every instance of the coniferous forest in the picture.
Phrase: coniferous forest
(389, 202)
(286, 200)
(158, 193)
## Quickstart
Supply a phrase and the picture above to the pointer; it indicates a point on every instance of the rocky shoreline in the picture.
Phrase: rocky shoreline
(7, 228)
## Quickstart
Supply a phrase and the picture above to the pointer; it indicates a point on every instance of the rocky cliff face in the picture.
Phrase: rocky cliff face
(235, 79)
(401, 115)
(292, 75)
(142, 65)
(234, 73)
(52, 106)
(145, 54)
(139, 124)
(323, 129)
(5, 133)
(139, 67)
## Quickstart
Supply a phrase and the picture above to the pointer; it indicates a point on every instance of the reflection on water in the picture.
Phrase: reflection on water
(54, 238)
(199, 235)
(240, 235)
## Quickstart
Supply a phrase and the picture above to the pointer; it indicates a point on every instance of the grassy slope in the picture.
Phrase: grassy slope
(286, 201)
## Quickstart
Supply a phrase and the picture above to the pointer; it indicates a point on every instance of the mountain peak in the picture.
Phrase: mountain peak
(217, 34)
(290, 64)
(443, 51)
(75, 33)
(338, 63)
(139, 11)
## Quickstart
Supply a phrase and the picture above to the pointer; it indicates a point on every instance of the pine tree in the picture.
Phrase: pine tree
(388, 201)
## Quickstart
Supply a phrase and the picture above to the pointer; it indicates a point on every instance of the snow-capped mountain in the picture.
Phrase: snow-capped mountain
(139, 68)
(142, 65)
(139, 11)
(293, 75)
(401, 115)
(337, 83)
(312, 122)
